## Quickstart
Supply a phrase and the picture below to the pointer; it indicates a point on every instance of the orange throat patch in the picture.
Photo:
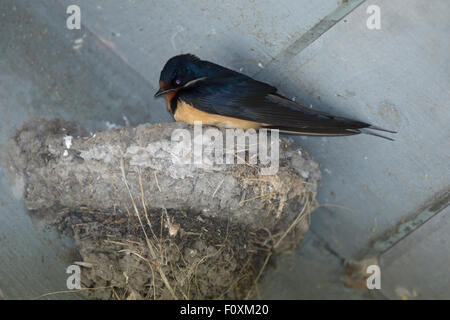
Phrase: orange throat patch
(169, 96)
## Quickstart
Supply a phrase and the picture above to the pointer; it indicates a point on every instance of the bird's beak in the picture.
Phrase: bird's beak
(162, 91)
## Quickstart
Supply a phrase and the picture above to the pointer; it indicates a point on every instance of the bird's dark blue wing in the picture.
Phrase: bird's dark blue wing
(248, 99)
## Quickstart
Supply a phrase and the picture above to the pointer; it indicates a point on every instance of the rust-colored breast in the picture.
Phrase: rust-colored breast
(187, 113)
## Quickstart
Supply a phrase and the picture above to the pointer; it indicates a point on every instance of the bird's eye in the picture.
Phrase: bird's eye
(177, 81)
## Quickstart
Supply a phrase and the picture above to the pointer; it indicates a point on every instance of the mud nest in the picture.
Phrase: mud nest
(149, 227)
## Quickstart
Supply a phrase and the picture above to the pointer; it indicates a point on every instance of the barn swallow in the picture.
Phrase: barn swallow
(198, 90)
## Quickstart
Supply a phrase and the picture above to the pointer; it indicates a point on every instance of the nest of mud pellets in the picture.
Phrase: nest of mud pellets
(147, 228)
(167, 254)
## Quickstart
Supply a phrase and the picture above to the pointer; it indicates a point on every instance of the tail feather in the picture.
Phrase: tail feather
(330, 132)
(366, 131)
(380, 129)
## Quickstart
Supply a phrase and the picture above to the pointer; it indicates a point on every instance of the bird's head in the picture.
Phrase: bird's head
(178, 72)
